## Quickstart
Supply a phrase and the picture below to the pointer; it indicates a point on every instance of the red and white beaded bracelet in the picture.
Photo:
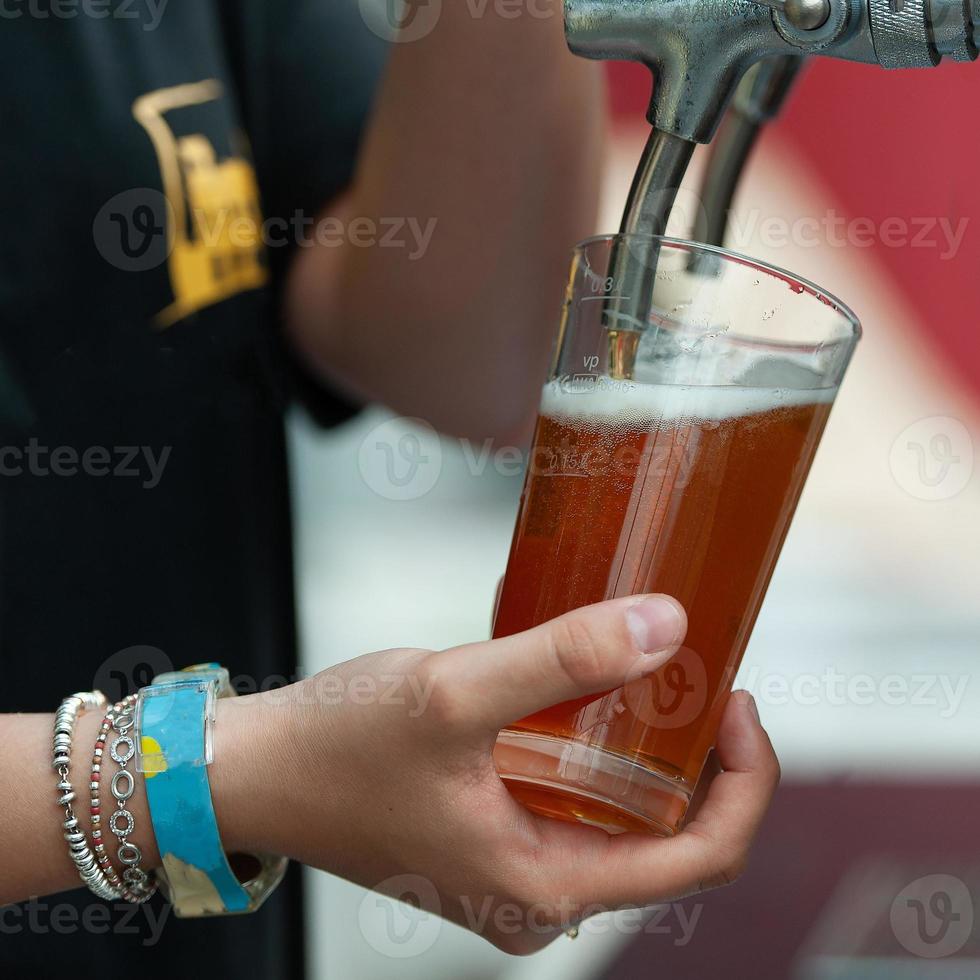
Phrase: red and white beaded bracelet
(135, 885)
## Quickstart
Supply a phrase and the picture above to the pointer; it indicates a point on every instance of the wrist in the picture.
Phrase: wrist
(278, 791)
(242, 776)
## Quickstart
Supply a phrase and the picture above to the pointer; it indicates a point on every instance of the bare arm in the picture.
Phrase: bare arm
(492, 128)
(373, 788)
(33, 853)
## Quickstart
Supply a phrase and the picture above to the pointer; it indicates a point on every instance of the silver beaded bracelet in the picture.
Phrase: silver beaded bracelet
(79, 850)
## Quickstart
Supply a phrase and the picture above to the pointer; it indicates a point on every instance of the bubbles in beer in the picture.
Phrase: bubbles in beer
(645, 486)
(613, 404)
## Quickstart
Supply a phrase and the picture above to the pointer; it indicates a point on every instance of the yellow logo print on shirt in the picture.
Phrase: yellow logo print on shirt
(214, 239)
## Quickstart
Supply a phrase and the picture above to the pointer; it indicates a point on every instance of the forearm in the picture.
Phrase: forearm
(34, 857)
(492, 128)
(382, 770)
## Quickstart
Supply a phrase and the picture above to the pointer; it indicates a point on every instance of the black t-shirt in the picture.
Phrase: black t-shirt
(144, 517)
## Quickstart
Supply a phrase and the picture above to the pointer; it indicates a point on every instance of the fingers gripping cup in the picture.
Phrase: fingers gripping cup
(674, 438)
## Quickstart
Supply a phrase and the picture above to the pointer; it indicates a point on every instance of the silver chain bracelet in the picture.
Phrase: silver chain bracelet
(136, 885)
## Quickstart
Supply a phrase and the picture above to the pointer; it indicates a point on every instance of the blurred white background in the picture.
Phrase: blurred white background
(877, 581)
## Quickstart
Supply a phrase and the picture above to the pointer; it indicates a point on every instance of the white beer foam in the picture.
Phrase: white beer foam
(607, 401)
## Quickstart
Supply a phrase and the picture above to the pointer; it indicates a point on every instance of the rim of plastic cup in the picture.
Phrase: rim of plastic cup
(775, 271)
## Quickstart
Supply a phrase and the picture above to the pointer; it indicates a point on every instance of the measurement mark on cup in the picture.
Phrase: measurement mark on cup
(592, 299)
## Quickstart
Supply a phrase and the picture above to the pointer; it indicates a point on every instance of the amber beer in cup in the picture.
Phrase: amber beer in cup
(674, 439)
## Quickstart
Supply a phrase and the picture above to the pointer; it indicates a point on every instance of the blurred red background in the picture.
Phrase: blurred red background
(889, 144)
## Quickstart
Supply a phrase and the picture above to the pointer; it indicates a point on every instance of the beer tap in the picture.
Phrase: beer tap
(758, 99)
(699, 51)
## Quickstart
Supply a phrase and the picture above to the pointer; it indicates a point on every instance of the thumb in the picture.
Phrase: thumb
(588, 651)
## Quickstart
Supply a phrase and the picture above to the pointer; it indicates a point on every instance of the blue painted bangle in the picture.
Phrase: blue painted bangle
(175, 722)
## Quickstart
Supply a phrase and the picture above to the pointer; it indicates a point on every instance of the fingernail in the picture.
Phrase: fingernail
(749, 701)
(650, 663)
(655, 623)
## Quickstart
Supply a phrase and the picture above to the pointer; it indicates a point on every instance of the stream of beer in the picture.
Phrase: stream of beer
(633, 263)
